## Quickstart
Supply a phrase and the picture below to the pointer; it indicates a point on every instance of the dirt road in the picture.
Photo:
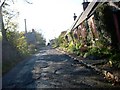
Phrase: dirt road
(52, 69)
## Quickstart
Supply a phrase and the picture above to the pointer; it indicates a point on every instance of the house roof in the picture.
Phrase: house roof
(85, 14)
(92, 6)
(81, 17)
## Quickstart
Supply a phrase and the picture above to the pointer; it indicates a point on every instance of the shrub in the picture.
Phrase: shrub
(71, 47)
(115, 59)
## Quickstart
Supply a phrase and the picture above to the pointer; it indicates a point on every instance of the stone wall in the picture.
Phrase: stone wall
(9, 53)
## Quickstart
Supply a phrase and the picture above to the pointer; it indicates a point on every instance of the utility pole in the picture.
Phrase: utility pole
(26, 32)
(25, 26)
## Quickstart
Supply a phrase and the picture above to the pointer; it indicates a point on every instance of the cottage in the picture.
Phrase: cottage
(31, 37)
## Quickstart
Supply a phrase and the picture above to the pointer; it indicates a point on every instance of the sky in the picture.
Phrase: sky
(50, 17)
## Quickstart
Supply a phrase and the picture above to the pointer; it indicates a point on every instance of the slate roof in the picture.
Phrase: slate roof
(92, 6)
(85, 13)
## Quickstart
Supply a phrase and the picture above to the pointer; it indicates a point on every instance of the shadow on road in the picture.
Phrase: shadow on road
(51, 69)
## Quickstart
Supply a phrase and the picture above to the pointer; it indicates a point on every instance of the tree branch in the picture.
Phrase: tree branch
(2, 3)
(13, 1)
(28, 2)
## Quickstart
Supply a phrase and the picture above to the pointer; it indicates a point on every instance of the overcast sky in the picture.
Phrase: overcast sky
(48, 16)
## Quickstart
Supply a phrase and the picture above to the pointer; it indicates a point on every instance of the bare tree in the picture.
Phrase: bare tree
(2, 28)
(1, 20)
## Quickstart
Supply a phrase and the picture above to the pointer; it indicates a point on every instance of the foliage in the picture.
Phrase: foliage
(99, 51)
(55, 43)
(78, 45)
(60, 40)
(9, 16)
(108, 38)
(18, 41)
(71, 47)
(115, 59)
(10, 37)
(105, 25)
(94, 51)
(100, 45)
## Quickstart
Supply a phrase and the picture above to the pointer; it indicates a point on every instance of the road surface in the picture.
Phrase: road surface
(52, 69)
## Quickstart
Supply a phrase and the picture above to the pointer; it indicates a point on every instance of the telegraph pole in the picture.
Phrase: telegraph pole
(26, 32)
(25, 26)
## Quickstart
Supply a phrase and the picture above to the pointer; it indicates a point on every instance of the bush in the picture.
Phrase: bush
(101, 52)
(115, 59)
(71, 47)
(78, 45)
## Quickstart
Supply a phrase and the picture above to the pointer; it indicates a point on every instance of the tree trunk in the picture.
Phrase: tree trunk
(2, 29)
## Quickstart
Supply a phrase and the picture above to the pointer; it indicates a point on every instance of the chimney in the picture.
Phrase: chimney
(74, 16)
(33, 30)
(85, 4)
